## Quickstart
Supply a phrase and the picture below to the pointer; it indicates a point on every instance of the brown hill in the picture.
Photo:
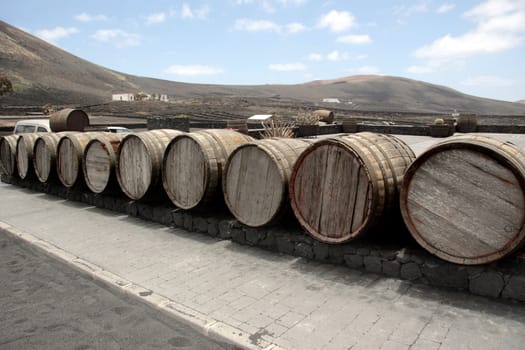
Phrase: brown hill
(42, 73)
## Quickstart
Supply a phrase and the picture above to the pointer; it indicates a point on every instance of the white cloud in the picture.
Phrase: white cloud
(335, 56)
(317, 57)
(444, 8)
(405, 11)
(55, 34)
(287, 67)
(499, 26)
(258, 25)
(193, 69)
(253, 25)
(154, 18)
(192, 13)
(270, 6)
(295, 27)
(337, 21)
(367, 70)
(354, 39)
(118, 37)
(488, 80)
(86, 17)
(338, 56)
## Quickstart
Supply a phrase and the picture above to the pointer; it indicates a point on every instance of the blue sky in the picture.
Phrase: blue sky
(477, 47)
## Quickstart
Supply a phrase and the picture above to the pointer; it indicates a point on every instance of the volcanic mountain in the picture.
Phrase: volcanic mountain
(42, 73)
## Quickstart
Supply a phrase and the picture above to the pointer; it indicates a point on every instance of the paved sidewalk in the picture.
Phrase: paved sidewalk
(255, 298)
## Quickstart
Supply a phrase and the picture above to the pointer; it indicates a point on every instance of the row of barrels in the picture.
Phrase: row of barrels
(462, 199)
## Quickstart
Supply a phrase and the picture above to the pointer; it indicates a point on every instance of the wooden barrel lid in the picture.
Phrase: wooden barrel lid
(341, 187)
(135, 167)
(8, 154)
(67, 162)
(24, 154)
(99, 161)
(186, 172)
(97, 166)
(463, 199)
(44, 155)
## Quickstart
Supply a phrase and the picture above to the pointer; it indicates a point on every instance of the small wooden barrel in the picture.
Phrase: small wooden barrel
(464, 199)
(256, 179)
(8, 154)
(193, 165)
(325, 115)
(68, 119)
(139, 162)
(44, 156)
(467, 123)
(98, 165)
(70, 150)
(24, 154)
(341, 187)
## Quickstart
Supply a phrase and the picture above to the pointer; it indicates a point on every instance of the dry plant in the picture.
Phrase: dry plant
(277, 128)
(307, 118)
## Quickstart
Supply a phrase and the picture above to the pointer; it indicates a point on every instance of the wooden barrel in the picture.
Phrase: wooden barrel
(70, 150)
(464, 199)
(341, 187)
(467, 123)
(68, 119)
(44, 156)
(193, 165)
(8, 154)
(24, 154)
(98, 165)
(325, 115)
(139, 162)
(256, 179)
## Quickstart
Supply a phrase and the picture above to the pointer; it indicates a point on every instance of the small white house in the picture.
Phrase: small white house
(123, 97)
(259, 118)
(331, 100)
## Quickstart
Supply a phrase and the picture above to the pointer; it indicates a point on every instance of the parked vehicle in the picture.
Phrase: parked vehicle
(32, 125)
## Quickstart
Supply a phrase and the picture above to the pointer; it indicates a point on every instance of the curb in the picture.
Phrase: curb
(209, 327)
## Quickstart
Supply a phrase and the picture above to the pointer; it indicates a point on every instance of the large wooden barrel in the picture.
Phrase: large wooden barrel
(325, 115)
(70, 150)
(8, 154)
(464, 199)
(45, 154)
(256, 179)
(98, 165)
(193, 165)
(139, 162)
(467, 123)
(24, 154)
(341, 187)
(68, 119)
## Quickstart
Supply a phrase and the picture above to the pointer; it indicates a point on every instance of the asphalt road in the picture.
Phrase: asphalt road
(44, 304)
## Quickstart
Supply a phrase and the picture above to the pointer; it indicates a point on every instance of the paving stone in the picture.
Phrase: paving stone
(446, 275)
(391, 268)
(515, 288)
(372, 263)
(284, 245)
(225, 229)
(410, 271)
(354, 260)
(488, 283)
(304, 250)
(200, 225)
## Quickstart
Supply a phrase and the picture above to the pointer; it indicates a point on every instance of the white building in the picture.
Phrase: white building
(259, 118)
(123, 97)
(331, 100)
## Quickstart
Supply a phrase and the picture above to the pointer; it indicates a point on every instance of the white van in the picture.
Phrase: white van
(32, 125)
